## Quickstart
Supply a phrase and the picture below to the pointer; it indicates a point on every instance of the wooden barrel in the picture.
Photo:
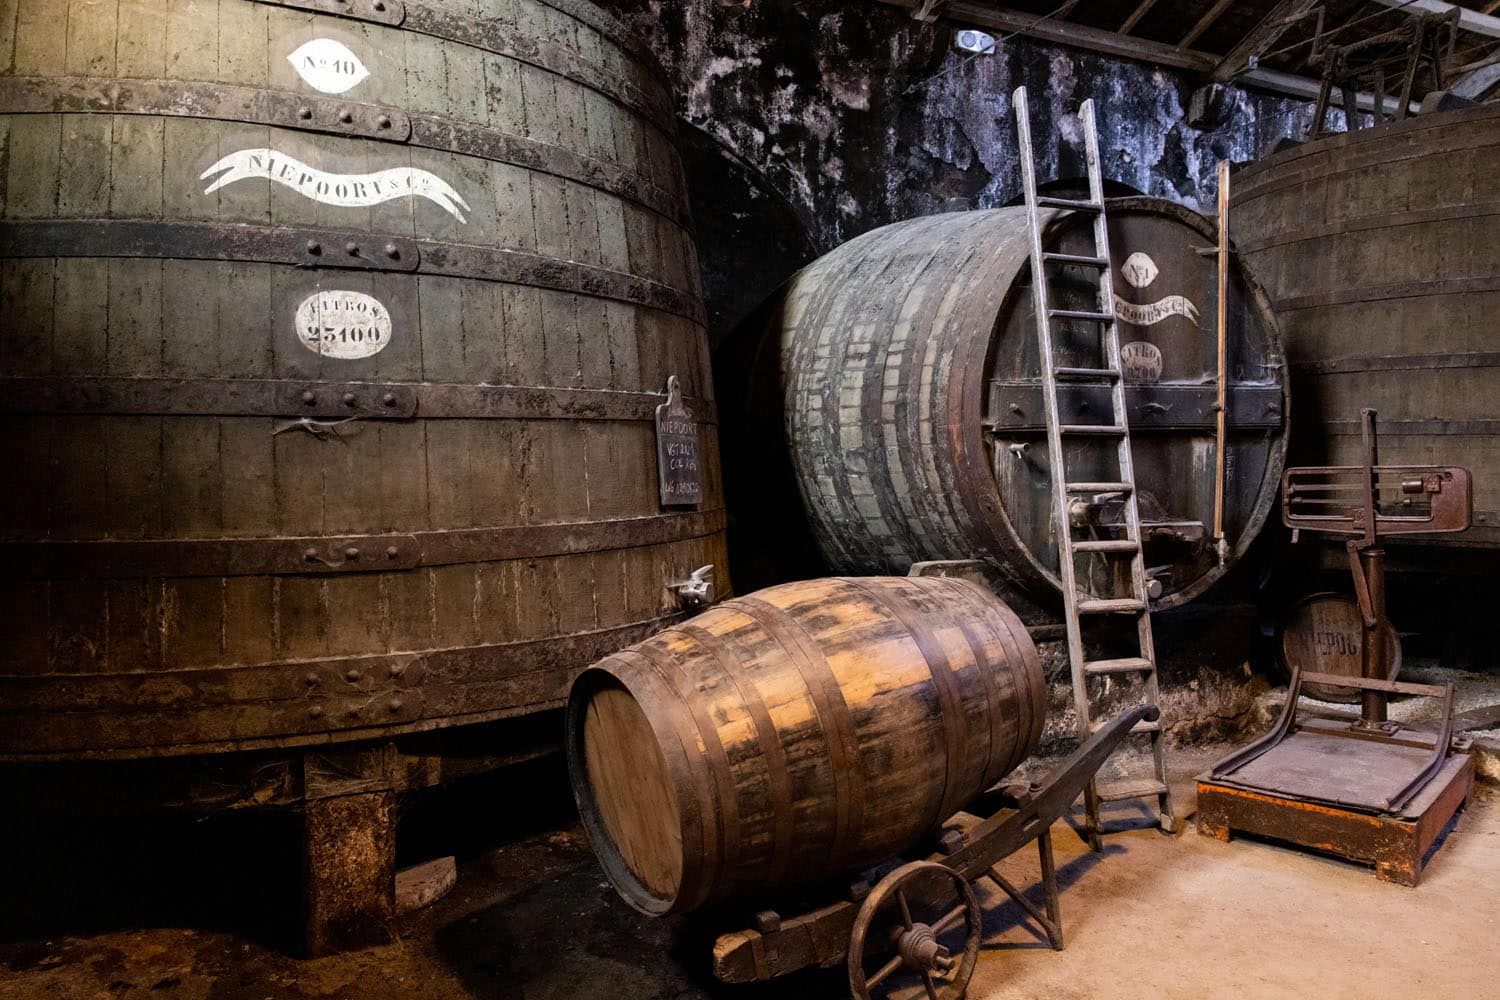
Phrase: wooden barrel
(1380, 250)
(898, 375)
(800, 731)
(333, 337)
(1324, 633)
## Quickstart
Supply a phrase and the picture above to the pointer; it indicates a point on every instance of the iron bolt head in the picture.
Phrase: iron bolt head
(346, 116)
(311, 555)
(389, 399)
(395, 705)
(315, 711)
(352, 676)
(311, 677)
(309, 397)
(348, 399)
(351, 553)
(392, 251)
(392, 552)
(314, 247)
(384, 121)
(379, 5)
(397, 669)
(351, 248)
(304, 112)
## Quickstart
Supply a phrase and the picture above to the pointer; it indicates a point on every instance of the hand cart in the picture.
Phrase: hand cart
(922, 920)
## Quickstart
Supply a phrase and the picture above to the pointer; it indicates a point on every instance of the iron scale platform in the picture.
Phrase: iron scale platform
(1321, 787)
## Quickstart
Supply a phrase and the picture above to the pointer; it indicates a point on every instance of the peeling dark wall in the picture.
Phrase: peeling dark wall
(854, 116)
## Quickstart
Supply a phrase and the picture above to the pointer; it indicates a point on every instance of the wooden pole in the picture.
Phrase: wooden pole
(1223, 321)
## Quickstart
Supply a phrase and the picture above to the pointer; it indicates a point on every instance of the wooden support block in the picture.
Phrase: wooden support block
(350, 871)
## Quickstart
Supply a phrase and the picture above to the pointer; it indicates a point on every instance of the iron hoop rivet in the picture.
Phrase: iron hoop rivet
(392, 251)
(396, 669)
(352, 676)
(351, 553)
(313, 246)
(395, 705)
(351, 248)
(379, 5)
(311, 678)
(346, 116)
(348, 399)
(315, 711)
(309, 397)
(392, 552)
(389, 399)
(384, 121)
(311, 555)
(304, 112)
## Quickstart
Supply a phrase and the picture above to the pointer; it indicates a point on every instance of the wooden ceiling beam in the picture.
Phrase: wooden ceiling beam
(1141, 10)
(1468, 20)
(1079, 36)
(1204, 23)
(1264, 35)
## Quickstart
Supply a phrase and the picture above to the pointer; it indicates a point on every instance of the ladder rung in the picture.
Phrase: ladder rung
(1099, 487)
(1098, 317)
(1101, 374)
(1121, 546)
(1111, 606)
(1120, 791)
(1073, 203)
(1105, 430)
(1073, 258)
(1127, 665)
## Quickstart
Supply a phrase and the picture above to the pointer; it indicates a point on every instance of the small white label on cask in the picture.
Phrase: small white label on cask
(1140, 361)
(1139, 270)
(343, 324)
(328, 65)
(345, 190)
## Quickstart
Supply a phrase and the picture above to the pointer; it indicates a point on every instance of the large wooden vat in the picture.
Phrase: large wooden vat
(897, 385)
(800, 731)
(1380, 250)
(332, 340)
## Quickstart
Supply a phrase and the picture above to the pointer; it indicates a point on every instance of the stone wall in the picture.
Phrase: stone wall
(807, 123)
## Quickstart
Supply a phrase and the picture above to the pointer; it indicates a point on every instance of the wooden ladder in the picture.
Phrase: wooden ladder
(1077, 605)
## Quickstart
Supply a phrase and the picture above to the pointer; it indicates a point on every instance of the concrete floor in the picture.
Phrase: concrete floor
(1153, 916)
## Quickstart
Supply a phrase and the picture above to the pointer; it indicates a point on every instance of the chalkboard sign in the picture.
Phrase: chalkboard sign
(677, 452)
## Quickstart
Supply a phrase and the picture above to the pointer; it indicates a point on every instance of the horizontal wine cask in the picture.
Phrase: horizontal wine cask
(797, 732)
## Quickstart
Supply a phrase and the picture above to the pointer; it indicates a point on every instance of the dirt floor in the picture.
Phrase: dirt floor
(1152, 916)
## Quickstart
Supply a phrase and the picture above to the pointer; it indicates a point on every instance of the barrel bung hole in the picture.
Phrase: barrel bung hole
(630, 790)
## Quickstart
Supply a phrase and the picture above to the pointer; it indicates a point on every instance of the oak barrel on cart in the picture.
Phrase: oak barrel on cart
(895, 381)
(797, 732)
(333, 336)
(1380, 250)
(1324, 633)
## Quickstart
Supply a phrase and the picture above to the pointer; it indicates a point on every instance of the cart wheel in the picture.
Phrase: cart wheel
(910, 954)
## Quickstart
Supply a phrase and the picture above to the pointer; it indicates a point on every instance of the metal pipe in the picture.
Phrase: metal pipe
(1372, 662)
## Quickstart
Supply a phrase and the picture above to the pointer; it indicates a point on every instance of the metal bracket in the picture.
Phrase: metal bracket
(391, 12)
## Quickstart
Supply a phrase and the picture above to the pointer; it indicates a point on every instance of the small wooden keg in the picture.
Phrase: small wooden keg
(800, 731)
(1324, 633)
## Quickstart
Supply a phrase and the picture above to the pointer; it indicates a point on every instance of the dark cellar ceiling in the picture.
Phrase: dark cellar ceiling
(1269, 43)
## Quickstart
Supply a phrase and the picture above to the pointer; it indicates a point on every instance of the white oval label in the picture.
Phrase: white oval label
(343, 324)
(1139, 270)
(1140, 361)
(328, 65)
